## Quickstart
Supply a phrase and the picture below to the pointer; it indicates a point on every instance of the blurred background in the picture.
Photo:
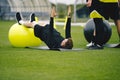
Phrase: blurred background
(41, 8)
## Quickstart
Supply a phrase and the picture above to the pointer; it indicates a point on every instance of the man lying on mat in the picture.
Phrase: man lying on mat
(47, 33)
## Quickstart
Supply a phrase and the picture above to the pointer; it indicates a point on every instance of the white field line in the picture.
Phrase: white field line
(73, 24)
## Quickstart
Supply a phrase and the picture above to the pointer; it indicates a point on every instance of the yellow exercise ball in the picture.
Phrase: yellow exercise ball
(20, 36)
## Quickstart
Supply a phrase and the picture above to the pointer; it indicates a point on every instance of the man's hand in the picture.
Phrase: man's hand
(89, 2)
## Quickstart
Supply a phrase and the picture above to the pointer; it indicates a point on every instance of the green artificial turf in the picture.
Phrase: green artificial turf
(32, 64)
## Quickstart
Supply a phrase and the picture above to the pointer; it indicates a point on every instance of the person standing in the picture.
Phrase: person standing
(108, 9)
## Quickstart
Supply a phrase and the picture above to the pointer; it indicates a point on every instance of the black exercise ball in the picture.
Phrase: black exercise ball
(89, 30)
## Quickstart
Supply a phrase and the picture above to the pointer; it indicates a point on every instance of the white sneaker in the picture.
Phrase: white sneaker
(95, 46)
(90, 44)
(32, 17)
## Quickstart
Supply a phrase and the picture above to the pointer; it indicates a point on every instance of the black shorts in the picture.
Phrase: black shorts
(107, 10)
(38, 31)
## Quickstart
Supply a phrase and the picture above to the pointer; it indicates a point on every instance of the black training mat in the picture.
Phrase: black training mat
(113, 45)
(56, 49)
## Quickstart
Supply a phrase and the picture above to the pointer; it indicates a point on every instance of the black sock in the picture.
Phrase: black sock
(99, 26)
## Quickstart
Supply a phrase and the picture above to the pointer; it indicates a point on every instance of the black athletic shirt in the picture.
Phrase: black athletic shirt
(49, 35)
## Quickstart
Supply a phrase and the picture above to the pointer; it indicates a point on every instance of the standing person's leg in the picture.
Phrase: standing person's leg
(99, 32)
(96, 5)
(117, 23)
(98, 37)
(113, 10)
